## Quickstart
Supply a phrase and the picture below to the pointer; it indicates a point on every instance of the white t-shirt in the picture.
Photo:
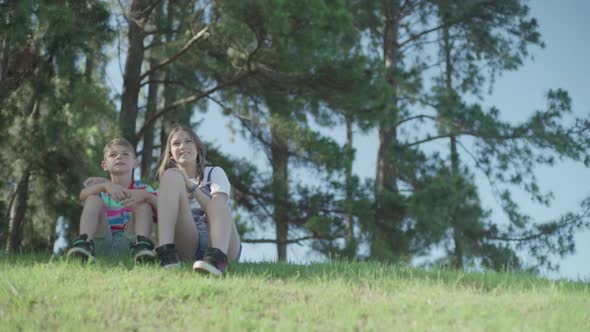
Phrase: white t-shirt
(219, 184)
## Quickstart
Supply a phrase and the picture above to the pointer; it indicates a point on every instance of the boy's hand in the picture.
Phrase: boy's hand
(94, 180)
(135, 196)
(116, 191)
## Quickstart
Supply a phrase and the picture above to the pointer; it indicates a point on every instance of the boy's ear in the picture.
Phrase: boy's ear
(103, 164)
(135, 163)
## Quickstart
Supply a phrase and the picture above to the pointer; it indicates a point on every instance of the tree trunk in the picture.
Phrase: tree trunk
(388, 216)
(147, 155)
(132, 75)
(280, 183)
(89, 65)
(455, 222)
(4, 57)
(457, 229)
(17, 213)
(351, 242)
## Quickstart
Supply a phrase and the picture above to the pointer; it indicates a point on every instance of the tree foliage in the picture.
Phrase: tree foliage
(286, 74)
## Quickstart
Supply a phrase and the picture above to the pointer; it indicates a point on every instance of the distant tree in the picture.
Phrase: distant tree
(302, 59)
(55, 94)
(473, 39)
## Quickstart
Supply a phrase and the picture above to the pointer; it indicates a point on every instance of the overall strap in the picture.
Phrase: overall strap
(208, 183)
(209, 175)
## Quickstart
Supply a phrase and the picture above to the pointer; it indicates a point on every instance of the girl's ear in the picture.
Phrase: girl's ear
(103, 164)
(135, 163)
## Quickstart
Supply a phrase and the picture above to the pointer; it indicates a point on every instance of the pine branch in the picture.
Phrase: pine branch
(421, 116)
(416, 36)
(427, 139)
(297, 240)
(183, 50)
(149, 122)
(148, 10)
(550, 229)
(182, 83)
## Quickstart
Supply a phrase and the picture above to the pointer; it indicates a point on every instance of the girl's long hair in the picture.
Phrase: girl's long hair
(166, 162)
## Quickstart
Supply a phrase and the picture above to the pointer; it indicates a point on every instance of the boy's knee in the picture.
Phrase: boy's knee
(93, 201)
(142, 208)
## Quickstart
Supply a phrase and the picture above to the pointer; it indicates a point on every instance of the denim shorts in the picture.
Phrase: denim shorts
(114, 244)
(203, 229)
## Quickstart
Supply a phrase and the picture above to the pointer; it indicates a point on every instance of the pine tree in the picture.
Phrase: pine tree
(55, 95)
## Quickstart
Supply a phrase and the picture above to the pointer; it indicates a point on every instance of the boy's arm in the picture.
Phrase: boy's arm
(94, 189)
(114, 190)
(94, 180)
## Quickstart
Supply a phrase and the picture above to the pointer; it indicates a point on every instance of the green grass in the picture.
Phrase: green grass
(43, 293)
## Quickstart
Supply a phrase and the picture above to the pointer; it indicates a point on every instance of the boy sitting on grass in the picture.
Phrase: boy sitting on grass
(118, 214)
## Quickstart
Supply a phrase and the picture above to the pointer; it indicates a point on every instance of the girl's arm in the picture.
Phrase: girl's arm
(197, 192)
(200, 195)
(219, 185)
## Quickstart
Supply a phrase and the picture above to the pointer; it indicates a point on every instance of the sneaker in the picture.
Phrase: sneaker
(214, 262)
(82, 248)
(143, 250)
(167, 256)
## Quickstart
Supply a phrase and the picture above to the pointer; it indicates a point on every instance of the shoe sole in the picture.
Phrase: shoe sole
(206, 268)
(172, 266)
(80, 253)
(145, 256)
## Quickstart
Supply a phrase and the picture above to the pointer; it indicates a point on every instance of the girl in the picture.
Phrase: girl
(194, 219)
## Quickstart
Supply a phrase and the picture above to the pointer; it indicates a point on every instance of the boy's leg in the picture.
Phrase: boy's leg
(93, 223)
(93, 220)
(142, 219)
(139, 232)
(175, 221)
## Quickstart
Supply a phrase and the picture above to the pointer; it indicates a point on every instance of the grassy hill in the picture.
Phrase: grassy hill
(49, 293)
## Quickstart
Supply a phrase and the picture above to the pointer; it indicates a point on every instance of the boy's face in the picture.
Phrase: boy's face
(119, 160)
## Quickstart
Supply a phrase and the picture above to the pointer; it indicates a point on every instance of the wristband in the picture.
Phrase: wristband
(192, 188)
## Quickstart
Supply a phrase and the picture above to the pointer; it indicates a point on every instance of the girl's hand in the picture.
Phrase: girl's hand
(94, 180)
(187, 182)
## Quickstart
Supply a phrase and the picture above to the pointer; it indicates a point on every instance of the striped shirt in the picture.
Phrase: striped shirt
(119, 216)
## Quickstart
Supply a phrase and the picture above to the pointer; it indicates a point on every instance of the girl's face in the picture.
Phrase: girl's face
(183, 149)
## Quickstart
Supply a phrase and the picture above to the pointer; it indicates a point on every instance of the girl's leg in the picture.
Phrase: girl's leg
(175, 220)
(222, 230)
(93, 220)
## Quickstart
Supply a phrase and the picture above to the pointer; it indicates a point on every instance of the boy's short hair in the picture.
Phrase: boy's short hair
(117, 141)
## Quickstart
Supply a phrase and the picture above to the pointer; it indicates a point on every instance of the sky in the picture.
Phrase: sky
(563, 63)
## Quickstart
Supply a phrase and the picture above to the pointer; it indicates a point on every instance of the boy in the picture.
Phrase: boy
(118, 214)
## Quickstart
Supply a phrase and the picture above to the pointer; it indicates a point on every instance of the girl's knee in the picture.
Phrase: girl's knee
(171, 176)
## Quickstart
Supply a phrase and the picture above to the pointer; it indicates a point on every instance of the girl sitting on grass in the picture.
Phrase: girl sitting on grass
(194, 218)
